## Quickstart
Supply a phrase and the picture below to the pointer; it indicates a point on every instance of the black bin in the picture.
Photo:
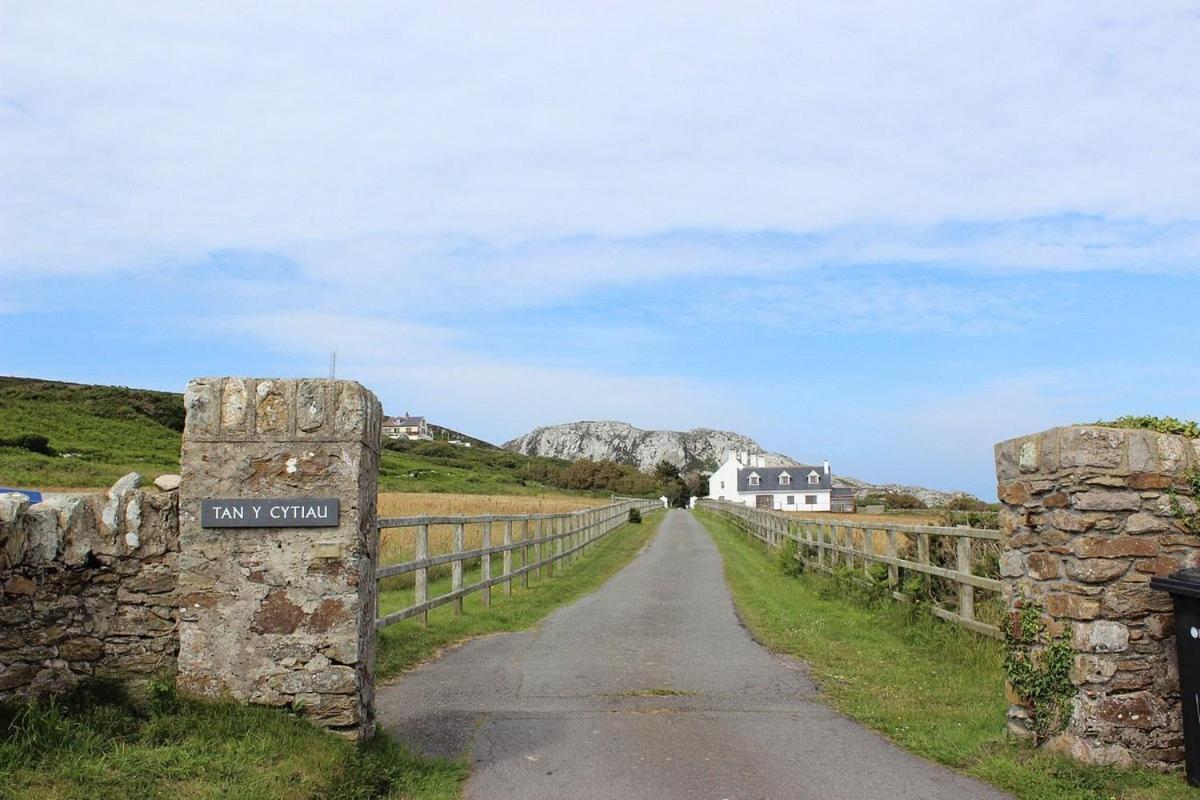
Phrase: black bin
(1184, 587)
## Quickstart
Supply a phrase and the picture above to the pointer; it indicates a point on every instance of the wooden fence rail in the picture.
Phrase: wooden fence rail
(831, 542)
(536, 540)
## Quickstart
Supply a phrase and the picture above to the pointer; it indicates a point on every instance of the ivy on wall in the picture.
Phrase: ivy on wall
(1038, 668)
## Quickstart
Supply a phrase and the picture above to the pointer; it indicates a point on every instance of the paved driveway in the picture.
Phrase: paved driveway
(649, 688)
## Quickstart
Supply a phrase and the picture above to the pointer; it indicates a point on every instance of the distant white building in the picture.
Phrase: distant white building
(414, 429)
(745, 478)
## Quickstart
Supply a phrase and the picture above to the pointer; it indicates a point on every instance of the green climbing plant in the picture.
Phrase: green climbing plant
(1038, 668)
(1189, 518)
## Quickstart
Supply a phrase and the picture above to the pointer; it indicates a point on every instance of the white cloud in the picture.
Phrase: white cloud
(138, 136)
(419, 367)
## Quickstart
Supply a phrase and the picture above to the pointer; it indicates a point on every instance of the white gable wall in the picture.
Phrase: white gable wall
(722, 485)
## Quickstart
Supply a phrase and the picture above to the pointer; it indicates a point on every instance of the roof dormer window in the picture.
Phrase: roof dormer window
(784, 479)
(754, 479)
(814, 477)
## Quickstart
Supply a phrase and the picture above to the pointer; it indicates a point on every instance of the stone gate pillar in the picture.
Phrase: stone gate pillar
(1090, 514)
(278, 546)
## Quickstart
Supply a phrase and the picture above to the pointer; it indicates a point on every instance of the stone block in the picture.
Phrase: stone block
(1092, 669)
(311, 402)
(272, 401)
(1072, 606)
(1012, 564)
(1150, 480)
(235, 405)
(1099, 500)
(1126, 599)
(1103, 636)
(1173, 453)
(1096, 570)
(1114, 547)
(1138, 710)
(1088, 446)
(1043, 566)
(1015, 493)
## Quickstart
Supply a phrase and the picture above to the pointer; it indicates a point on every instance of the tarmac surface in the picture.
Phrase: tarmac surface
(649, 688)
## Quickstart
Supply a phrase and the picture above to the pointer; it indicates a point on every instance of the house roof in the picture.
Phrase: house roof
(770, 479)
(402, 422)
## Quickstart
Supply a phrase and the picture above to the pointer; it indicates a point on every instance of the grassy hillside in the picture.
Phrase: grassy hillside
(96, 433)
(61, 435)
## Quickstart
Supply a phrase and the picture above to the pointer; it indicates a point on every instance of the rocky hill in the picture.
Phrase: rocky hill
(700, 448)
(934, 498)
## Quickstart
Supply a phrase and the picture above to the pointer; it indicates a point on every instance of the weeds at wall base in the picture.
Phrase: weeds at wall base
(99, 741)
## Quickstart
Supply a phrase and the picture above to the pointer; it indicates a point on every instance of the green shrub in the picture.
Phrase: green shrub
(791, 560)
(635, 516)
(1171, 425)
(33, 442)
(901, 500)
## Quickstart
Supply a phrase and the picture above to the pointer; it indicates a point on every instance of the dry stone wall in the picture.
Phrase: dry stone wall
(87, 588)
(1088, 518)
(281, 616)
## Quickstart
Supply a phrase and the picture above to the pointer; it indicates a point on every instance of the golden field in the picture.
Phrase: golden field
(399, 544)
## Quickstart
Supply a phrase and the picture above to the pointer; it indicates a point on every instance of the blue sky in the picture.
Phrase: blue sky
(853, 232)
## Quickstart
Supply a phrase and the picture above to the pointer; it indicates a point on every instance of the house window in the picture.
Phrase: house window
(722, 485)
(814, 478)
(753, 480)
(810, 499)
(791, 499)
(784, 479)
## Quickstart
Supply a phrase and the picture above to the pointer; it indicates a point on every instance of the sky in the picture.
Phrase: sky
(889, 234)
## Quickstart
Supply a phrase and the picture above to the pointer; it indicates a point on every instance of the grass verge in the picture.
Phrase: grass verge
(408, 643)
(932, 688)
(97, 742)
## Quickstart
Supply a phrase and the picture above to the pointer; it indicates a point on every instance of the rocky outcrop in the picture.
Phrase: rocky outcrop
(934, 498)
(700, 448)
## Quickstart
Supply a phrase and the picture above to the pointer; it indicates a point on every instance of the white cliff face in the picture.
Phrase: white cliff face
(621, 442)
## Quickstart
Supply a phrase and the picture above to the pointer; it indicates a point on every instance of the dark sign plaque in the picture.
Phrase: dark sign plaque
(289, 512)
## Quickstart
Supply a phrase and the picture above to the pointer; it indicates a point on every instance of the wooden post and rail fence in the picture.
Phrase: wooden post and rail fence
(529, 544)
(833, 542)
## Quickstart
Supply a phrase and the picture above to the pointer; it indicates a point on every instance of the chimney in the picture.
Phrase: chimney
(827, 466)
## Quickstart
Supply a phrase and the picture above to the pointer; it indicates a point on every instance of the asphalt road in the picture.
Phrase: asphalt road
(649, 688)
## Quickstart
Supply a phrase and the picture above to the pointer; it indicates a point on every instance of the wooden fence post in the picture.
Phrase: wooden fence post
(966, 592)
(868, 549)
(507, 558)
(456, 567)
(537, 550)
(525, 553)
(421, 580)
(893, 570)
(485, 565)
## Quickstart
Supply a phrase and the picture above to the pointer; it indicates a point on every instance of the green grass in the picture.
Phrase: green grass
(99, 743)
(408, 643)
(932, 688)
(100, 433)
(106, 432)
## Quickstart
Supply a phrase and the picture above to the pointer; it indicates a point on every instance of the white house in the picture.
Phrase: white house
(414, 429)
(745, 478)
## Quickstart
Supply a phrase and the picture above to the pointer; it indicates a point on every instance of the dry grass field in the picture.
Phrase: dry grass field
(399, 544)
(907, 518)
